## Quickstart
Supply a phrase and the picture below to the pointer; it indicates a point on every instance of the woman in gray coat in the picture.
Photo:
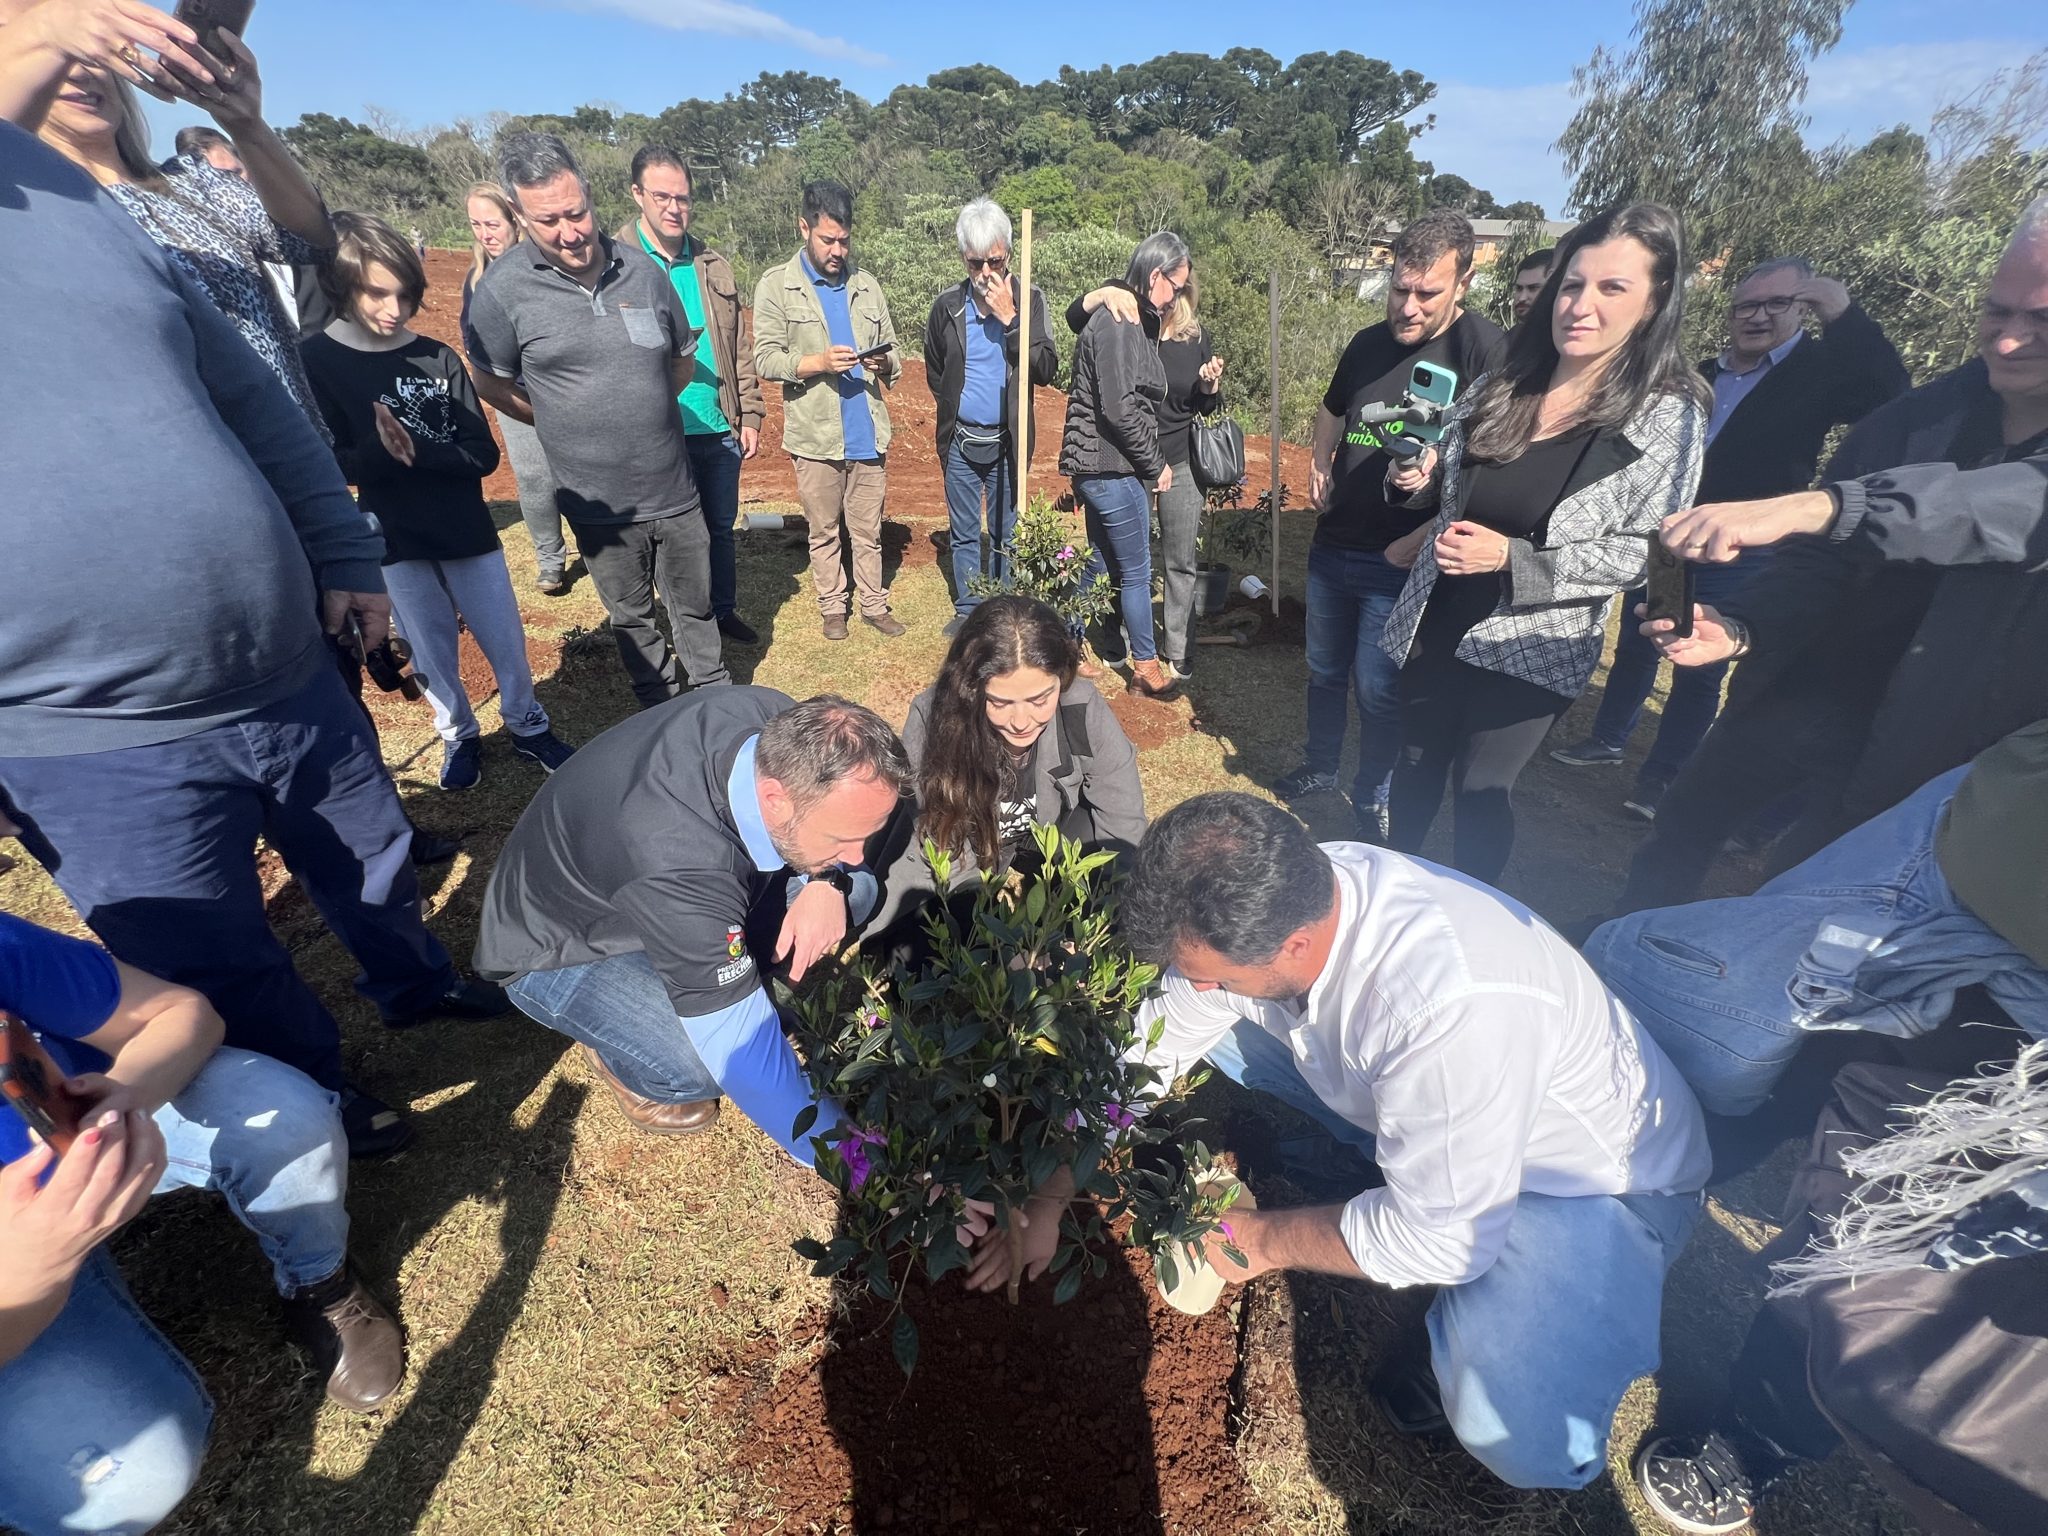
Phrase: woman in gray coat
(1009, 739)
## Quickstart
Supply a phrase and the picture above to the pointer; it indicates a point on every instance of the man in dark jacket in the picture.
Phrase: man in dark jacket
(970, 363)
(1778, 392)
(1866, 680)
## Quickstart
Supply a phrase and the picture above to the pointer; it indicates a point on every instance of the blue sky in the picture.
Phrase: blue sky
(1503, 69)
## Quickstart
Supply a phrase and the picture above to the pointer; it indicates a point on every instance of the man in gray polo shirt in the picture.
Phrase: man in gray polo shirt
(586, 339)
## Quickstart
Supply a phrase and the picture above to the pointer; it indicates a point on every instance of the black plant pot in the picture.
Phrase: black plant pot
(1212, 588)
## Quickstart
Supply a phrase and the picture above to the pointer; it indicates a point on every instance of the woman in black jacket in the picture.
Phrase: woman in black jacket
(1192, 372)
(1111, 445)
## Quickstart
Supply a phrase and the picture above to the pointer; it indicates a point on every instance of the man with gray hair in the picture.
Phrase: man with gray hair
(1778, 393)
(970, 363)
(656, 877)
(585, 339)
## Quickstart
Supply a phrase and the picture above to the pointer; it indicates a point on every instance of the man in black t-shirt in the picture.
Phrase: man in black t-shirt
(1363, 544)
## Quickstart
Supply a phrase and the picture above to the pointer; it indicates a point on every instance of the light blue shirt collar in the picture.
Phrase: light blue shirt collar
(1772, 358)
(742, 789)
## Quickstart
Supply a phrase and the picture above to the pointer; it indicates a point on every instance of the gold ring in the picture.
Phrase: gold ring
(129, 55)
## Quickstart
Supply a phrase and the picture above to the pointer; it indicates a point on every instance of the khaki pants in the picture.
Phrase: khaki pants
(834, 489)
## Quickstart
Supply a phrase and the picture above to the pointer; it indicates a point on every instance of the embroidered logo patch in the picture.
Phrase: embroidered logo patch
(734, 945)
(738, 961)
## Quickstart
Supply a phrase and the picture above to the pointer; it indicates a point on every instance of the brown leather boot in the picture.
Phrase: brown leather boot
(653, 1115)
(1149, 677)
(354, 1342)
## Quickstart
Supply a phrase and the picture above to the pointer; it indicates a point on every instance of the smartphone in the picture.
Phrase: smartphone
(1669, 589)
(210, 17)
(34, 1085)
(879, 349)
(1439, 385)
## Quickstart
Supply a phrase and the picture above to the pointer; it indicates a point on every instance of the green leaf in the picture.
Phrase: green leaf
(903, 1343)
(1070, 1283)
(963, 1037)
(809, 1248)
(806, 1118)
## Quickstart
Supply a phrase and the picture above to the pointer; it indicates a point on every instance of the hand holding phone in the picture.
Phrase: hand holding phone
(35, 1089)
(1668, 591)
(209, 18)
(877, 352)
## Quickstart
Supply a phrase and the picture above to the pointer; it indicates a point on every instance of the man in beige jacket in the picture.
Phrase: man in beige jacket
(822, 330)
(721, 405)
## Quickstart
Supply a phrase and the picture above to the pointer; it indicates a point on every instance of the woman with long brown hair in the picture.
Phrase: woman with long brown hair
(495, 227)
(1554, 473)
(1011, 738)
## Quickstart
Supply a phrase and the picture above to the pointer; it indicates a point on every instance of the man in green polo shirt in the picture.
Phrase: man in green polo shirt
(721, 406)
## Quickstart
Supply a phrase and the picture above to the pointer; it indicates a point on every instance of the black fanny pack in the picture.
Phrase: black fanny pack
(979, 445)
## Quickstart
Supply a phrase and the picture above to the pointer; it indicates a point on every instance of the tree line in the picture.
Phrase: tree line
(1295, 166)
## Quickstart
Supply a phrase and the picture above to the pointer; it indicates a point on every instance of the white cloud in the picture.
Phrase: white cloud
(1499, 138)
(728, 18)
(1856, 95)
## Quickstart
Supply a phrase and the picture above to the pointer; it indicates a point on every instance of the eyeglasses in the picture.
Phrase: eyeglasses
(1751, 307)
(986, 263)
(668, 199)
(1175, 290)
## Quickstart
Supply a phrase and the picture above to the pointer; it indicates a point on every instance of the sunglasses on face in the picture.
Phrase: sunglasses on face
(986, 263)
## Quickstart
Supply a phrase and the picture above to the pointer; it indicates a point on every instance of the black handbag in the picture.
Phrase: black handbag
(1216, 452)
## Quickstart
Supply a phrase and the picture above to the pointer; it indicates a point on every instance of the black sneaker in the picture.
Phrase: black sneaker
(1409, 1396)
(552, 583)
(430, 848)
(1696, 1485)
(1645, 798)
(1371, 818)
(373, 1128)
(953, 625)
(545, 748)
(737, 629)
(1180, 671)
(462, 764)
(1304, 781)
(1590, 753)
(466, 999)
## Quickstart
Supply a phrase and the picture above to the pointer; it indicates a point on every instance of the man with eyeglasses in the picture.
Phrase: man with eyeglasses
(721, 404)
(1778, 392)
(1868, 678)
(970, 363)
(822, 331)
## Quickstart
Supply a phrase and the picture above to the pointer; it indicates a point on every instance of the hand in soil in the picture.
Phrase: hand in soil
(1034, 1232)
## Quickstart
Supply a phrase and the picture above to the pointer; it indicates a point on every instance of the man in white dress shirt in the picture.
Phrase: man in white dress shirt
(1543, 1160)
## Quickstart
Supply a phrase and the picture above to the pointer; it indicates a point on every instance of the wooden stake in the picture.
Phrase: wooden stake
(1023, 368)
(1273, 430)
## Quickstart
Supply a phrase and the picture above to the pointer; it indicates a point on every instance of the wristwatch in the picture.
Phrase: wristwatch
(839, 878)
(1739, 633)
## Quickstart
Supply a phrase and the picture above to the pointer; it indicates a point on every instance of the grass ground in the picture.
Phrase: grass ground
(573, 1292)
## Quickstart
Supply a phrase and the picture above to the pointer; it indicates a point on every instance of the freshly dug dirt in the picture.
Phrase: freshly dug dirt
(1109, 1413)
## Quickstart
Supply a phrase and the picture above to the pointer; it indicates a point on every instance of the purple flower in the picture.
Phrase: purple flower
(1074, 1120)
(872, 1020)
(853, 1151)
(1119, 1117)
(1224, 1227)
(1067, 553)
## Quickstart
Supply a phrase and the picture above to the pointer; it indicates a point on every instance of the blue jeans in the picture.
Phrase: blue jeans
(1534, 1355)
(1351, 593)
(106, 1422)
(1867, 934)
(715, 465)
(967, 487)
(156, 848)
(1695, 691)
(621, 1010)
(1119, 518)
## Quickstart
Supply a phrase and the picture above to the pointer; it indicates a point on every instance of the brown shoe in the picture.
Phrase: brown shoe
(1149, 677)
(653, 1115)
(835, 626)
(887, 623)
(354, 1342)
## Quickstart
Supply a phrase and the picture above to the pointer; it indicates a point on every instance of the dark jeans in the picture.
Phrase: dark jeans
(1351, 592)
(1695, 691)
(626, 561)
(1477, 729)
(715, 466)
(156, 847)
(1119, 517)
(968, 486)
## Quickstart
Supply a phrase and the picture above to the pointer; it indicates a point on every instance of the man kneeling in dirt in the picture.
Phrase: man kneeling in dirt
(1543, 1161)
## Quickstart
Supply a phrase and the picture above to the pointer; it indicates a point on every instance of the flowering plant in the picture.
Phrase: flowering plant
(1004, 1057)
(1051, 562)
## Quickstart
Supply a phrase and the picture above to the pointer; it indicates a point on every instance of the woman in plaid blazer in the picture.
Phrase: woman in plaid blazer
(1552, 475)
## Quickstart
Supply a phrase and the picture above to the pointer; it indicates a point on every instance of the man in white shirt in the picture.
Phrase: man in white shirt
(1543, 1160)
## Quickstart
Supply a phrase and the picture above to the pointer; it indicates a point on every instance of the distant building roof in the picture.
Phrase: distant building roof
(1504, 229)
